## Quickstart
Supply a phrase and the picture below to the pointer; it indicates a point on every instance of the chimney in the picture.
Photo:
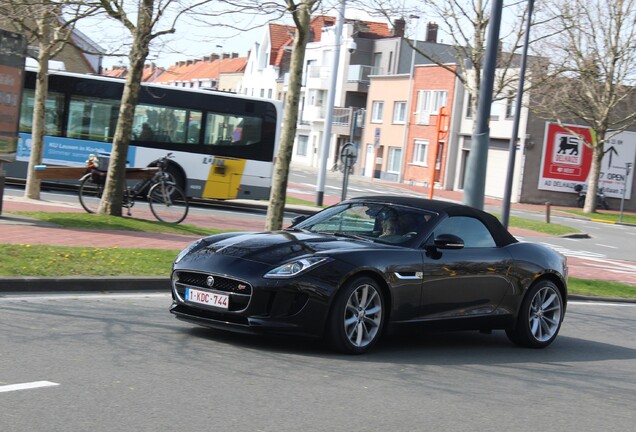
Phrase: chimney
(398, 27)
(234, 55)
(226, 56)
(214, 57)
(431, 32)
(189, 62)
(181, 63)
(206, 58)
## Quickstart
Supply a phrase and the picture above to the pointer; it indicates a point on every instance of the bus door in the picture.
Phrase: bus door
(224, 178)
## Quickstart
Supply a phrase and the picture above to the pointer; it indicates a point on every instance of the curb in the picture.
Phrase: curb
(76, 284)
(80, 284)
(601, 299)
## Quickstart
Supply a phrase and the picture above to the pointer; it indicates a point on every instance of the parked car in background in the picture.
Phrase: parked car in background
(345, 275)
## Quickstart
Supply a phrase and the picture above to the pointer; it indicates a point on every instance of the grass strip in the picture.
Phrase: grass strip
(538, 226)
(55, 261)
(604, 215)
(105, 222)
(598, 288)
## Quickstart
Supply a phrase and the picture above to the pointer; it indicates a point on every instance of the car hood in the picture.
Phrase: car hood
(279, 246)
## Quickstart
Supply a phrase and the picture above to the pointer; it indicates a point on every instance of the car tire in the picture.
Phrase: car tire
(357, 316)
(540, 316)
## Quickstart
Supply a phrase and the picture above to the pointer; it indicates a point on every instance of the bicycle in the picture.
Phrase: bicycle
(168, 203)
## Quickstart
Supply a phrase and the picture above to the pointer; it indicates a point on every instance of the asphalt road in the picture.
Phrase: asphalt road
(122, 362)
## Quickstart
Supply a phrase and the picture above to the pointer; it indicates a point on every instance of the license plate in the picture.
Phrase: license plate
(207, 298)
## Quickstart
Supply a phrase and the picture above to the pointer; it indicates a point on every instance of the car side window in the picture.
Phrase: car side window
(471, 230)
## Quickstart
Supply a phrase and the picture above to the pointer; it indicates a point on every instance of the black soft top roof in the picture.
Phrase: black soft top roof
(501, 236)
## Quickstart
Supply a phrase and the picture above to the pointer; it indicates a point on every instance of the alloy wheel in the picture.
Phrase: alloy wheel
(545, 314)
(363, 315)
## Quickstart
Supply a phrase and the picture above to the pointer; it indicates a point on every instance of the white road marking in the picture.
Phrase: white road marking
(607, 246)
(27, 386)
(568, 252)
(600, 303)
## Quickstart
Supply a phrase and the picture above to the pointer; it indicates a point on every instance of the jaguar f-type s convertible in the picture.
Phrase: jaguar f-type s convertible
(355, 270)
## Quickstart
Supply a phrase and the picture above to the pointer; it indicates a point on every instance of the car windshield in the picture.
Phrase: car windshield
(373, 221)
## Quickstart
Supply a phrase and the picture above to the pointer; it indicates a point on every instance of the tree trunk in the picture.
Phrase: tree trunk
(278, 195)
(595, 171)
(32, 186)
(116, 177)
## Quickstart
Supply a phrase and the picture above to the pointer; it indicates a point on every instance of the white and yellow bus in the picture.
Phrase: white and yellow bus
(224, 144)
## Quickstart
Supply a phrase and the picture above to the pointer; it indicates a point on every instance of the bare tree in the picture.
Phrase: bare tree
(464, 23)
(146, 21)
(591, 78)
(300, 12)
(47, 25)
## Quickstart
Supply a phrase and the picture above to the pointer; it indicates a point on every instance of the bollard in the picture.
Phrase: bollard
(547, 212)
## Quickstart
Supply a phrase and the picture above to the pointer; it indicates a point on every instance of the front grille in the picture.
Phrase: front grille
(239, 292)
(199, 280)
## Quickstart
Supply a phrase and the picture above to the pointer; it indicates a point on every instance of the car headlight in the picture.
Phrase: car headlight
(296, 267)
(187, 250)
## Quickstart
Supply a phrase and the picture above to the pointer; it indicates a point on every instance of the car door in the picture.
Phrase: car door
(469, 281)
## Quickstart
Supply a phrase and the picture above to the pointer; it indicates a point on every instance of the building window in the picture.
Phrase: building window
(269, 93)
(429, 102)
(395, 160)
(301, 147)
(469, 106)
(511, 104)
(376, 112)
(399, 112)
(420, 152)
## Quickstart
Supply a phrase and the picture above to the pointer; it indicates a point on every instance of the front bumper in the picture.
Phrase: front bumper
(299, 306)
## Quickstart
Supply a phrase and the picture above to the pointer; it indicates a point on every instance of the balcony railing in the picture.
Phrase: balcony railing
(360, 73)
(341, 116)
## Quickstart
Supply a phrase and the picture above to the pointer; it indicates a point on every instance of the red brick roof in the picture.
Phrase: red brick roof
(364, 29)
(150, 72)
(200, 69)
(116, 72)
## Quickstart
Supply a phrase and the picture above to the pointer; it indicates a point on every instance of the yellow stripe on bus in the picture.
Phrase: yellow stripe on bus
(224, 178)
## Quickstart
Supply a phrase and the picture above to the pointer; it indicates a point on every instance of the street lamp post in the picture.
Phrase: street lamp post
(407, 119)
(512, 148)
(628, 167)
(331, 97)
(475, 183)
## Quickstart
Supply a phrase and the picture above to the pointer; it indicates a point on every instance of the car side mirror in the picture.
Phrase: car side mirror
(298, 219)
(448, 241)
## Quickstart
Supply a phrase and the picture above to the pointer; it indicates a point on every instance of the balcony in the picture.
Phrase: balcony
(358, 77)
(342, 119)
(317, 77)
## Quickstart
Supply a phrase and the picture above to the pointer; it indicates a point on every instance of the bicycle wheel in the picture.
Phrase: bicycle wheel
(90, 193)
(168, 203)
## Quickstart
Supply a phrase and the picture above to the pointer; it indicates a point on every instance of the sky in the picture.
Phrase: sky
(193, 39)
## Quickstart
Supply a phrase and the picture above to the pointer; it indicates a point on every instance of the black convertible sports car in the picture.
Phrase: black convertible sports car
(358, 268)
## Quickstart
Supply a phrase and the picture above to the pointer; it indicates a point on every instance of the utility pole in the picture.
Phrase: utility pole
(475, 183)
(512, 148)
(331, 97)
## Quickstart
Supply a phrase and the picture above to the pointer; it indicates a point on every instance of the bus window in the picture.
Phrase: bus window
(194, 126)
(92, 118)
(52, 115)
(224, 129)
(167, 124)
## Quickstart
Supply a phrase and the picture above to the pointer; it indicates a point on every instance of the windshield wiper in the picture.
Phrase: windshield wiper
(294, 229)
(349, 235)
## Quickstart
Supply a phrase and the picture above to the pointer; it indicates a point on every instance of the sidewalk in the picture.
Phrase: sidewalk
(19, 230)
